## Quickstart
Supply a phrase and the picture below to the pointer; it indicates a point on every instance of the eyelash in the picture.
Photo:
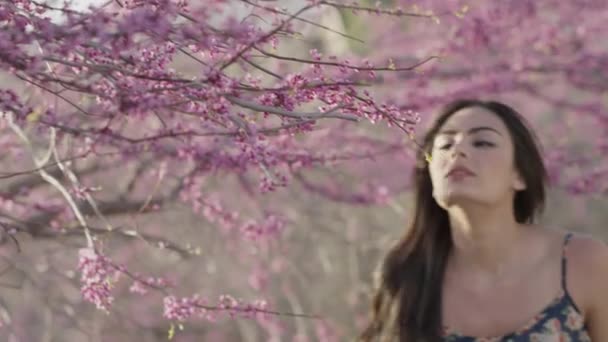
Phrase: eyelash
(479, 143)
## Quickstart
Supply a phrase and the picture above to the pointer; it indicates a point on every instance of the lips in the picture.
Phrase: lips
(459, 171)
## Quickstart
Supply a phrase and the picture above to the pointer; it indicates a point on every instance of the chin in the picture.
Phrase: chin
(456, 198)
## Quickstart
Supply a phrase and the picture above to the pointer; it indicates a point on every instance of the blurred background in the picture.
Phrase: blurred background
(333, 221)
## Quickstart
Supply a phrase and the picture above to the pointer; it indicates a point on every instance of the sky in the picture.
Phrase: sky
(77, 5)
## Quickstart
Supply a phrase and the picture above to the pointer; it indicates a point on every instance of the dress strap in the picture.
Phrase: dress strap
(564, 259)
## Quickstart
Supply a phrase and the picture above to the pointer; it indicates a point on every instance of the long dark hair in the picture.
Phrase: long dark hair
(407, 302)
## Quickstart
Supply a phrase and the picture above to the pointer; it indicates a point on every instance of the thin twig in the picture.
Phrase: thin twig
(297, 115)
(264, 37)
(337, 64)
(274, 10)
(40, 163)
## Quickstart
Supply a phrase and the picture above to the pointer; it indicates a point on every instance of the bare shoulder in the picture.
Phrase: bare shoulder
(587, 253)
(587, 265)
(583, 248)
(587, 270)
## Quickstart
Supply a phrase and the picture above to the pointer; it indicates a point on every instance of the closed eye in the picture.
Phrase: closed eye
(481, 143)
(445, 146)
(477, 143)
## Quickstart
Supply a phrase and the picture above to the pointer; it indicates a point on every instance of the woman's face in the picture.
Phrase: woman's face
(472, 160)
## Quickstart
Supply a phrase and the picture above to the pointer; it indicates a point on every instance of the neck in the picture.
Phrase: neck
(485, 240)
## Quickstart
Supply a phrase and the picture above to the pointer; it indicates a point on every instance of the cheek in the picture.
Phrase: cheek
(436, 169)
(495, 164)
(496, 173)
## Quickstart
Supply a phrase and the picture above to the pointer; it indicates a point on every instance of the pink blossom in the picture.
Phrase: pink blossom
(98, 276)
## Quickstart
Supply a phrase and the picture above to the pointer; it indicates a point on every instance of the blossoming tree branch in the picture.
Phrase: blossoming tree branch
(100, 88)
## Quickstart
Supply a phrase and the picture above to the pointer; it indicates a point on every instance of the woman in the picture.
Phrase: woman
(473, 266)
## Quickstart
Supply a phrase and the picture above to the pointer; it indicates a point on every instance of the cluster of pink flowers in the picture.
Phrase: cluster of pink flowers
(270, 227)
(236, 308)
(181, 309)
(142, 285)
(10, 102)
(98, 274)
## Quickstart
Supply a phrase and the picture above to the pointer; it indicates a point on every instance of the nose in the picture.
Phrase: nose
(459, 150)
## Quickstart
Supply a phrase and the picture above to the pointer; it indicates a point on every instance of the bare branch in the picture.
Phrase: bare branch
(342, 65)
(277, 11)
(259, 67)
(46, 176)
(54, 93)
(297, 115)
(264, 37)
(396, 12)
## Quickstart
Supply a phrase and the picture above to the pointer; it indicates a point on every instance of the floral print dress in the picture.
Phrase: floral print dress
(560, 321)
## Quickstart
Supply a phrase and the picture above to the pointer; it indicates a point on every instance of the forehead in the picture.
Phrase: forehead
(468, 118)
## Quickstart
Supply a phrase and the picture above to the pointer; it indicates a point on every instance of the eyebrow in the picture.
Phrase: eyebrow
(471, 131)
